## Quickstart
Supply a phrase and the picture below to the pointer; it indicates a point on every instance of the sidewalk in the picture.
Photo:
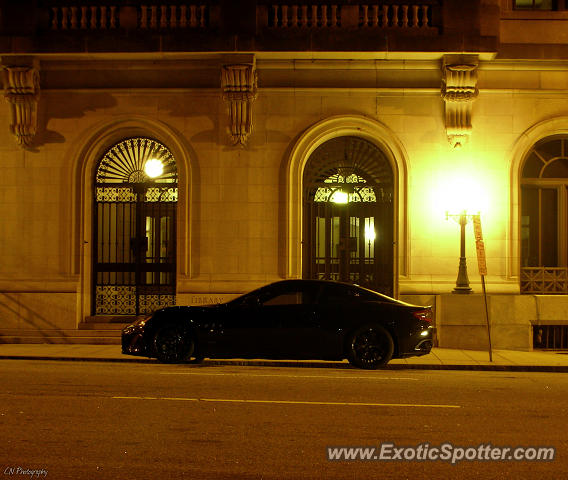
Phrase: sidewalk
(438, 359)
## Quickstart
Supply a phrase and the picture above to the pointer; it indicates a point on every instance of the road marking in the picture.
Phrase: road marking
(289, 402)
(285, 375)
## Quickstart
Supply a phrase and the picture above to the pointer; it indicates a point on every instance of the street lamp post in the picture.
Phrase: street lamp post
(462, 282)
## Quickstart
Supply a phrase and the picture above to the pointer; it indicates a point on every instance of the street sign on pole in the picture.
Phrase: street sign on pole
(482, 265)
(479, 245)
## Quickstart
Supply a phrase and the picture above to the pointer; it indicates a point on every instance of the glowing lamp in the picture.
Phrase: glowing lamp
(339, 196)
(153, 168)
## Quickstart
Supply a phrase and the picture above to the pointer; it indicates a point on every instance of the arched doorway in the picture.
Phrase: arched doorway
(348, 187)
(134, 228)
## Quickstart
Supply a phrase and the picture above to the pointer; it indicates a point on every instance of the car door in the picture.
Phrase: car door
(340, 308)
(278, 322)
(248, 328)
(295, 310)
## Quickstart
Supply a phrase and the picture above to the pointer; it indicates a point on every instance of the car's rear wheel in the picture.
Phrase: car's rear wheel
(370, 347)
(173, 344)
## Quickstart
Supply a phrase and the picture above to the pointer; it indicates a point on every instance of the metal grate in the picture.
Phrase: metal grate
(550, 337)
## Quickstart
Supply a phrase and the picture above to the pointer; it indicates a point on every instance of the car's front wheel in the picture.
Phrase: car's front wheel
(370, 347)
(173, 344)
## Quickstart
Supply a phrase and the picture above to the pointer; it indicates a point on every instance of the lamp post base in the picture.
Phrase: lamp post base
(462, 290)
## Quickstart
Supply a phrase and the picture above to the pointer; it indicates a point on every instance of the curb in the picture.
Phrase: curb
(307, 364)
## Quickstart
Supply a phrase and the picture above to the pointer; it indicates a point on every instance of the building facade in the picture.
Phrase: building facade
(178, 153)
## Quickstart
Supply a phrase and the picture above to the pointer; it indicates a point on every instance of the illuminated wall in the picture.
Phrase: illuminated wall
(235, 227)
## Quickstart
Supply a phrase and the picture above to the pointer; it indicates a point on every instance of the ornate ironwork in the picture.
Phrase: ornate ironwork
(544, 280)
(135, 229)
(125, 162)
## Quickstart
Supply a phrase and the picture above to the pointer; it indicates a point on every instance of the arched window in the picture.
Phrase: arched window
(348, 213)
(544, 226)
(135, 229)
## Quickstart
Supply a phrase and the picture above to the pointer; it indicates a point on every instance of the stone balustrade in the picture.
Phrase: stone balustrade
(172, 15)
(147, 16)
(84, 17)
(385, 15)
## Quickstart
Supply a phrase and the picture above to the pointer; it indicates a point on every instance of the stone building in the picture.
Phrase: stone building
(183, 153)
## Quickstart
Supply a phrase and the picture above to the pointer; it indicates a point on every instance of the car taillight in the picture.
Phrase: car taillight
(424, 315)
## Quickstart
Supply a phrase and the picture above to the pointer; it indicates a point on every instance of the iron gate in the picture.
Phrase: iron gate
(348, 214)
(135, 229)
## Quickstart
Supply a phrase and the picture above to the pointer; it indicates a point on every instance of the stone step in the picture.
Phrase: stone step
(120, 319)
(102, 326)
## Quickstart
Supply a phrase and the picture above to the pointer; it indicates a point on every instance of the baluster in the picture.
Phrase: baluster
(163, 17)
(183, 16)
(153, 16)
(395, 15)
(54, 13)
(103, 17)
(405, 16)
(415, 16)
(304, 19)
(143, 16)
(73, 17)
(315, 22)
(202, 16)
(93, 24)
(365, 15)
(64, 13)
(113, 16)
(375, 16)
(83, 24)
(425, 20)
(193, 16)
(385, 17)
(173, 16)
(284, 15)
(275, 9)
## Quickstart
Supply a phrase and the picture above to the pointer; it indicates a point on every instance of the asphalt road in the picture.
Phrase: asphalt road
(72, 420)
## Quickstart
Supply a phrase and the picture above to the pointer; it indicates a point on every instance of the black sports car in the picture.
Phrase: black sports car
(290, 319)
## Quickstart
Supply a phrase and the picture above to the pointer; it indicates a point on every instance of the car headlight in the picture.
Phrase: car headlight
(136, 326)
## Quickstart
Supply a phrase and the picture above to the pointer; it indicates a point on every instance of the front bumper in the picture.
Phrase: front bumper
(133, 341)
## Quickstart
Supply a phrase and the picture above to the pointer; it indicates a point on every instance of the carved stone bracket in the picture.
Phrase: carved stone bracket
(459, 90)
(21, 89)
(239, 86)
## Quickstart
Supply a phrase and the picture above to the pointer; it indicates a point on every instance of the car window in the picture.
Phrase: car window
(305, 294)
(344, 293)
(288, 298)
